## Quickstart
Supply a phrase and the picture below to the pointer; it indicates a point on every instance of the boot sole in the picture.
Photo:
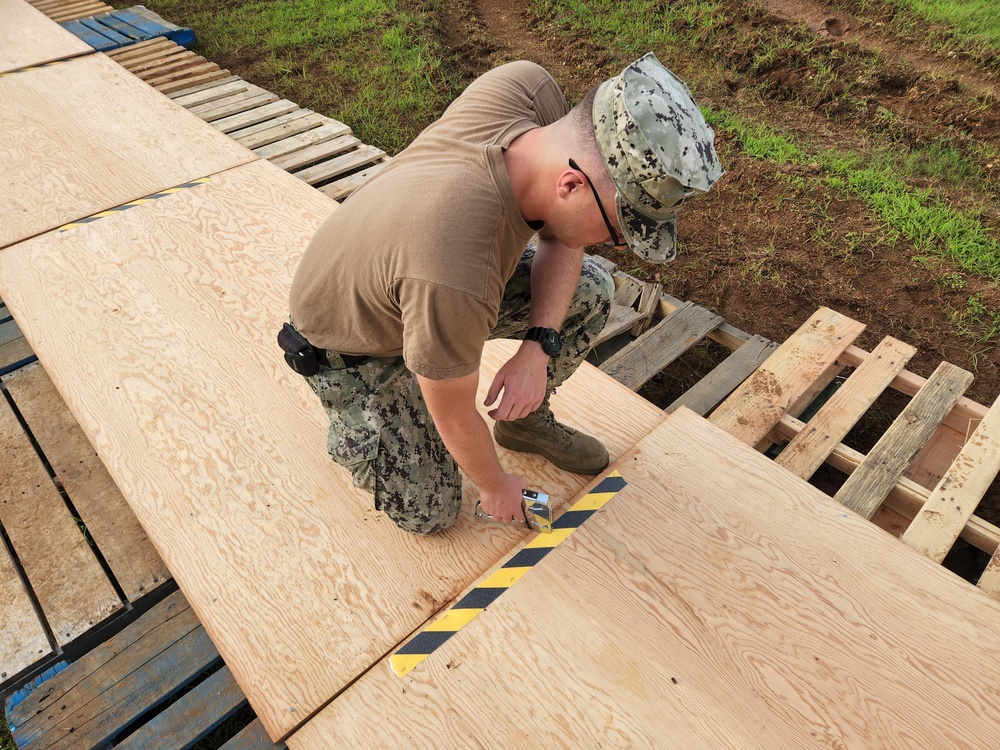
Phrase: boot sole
(523, 447)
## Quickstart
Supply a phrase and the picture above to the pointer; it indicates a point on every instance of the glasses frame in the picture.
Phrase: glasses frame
(615, 241)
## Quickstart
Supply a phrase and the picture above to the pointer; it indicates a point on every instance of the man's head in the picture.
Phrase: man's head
(658, 150)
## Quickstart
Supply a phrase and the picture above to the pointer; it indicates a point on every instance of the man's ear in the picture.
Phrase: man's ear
(569, 181)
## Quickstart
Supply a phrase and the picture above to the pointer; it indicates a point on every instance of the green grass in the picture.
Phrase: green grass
(375, 64)
(973, 18)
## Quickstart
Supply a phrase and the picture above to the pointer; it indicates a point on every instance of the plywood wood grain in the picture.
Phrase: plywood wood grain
(716, 601)
(110, 523)
(28, 37)
(67, 579)
(85, 135)
(172, 370)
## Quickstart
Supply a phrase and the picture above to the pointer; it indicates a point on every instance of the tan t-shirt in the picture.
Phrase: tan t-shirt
(415, 262)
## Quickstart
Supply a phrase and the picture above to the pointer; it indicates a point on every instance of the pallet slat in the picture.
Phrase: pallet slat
(868, 486)
(283, 152)
(340, 189)
(808, 450)
(339, 165)
(234, 104)
(67, 579)
(703, 396)
(211, 94)
(109, 521)
(192, 717)
(253, 117)
(660, 345)
(21, 632)
(756, 406)
(253, 737)
(952, 503)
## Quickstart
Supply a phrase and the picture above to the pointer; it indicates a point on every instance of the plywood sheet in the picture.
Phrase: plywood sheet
(28, 37)
(716, 601)
(172, 370)
(85, 135)
(110, 523)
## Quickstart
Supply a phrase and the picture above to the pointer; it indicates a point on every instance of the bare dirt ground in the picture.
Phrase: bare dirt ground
(764, 253)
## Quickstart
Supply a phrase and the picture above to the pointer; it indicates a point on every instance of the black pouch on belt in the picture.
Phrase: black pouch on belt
(299, 354)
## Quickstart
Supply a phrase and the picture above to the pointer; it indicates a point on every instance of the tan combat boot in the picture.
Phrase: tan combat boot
(540, 433)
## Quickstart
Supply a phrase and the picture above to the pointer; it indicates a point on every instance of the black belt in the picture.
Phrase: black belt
(349, 360)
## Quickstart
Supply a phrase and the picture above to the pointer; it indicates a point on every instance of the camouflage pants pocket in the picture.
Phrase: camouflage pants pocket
(380, 430)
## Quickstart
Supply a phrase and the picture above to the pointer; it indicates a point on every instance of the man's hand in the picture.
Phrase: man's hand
(503, 502)
(523, 382)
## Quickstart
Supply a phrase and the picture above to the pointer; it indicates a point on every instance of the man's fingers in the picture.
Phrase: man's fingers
(495, 387)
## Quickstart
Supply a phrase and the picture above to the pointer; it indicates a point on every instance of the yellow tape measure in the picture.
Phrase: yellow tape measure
(487, 592)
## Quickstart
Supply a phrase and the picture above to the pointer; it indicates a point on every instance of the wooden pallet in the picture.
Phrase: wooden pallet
(70, 10)
(122, 693)
(317, 149)
(121, 28)
(924, 479)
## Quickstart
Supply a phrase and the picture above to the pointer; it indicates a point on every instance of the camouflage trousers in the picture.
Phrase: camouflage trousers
(379, 425)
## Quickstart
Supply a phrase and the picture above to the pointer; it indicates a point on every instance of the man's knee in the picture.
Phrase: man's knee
(423, 518)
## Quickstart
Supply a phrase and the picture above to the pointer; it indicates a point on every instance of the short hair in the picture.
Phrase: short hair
(580, 120)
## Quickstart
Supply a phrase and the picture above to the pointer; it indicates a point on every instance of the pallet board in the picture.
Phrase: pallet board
(104, 146)
(28, 38)
(130, 555)
(121, 28)
(225, 466)
(69, 10)
(722, 603)
(21, 631)
(65, 576)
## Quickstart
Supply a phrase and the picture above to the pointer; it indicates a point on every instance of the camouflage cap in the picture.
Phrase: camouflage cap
(658, 149)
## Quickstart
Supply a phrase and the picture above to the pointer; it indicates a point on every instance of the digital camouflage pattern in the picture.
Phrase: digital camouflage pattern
(659, 151)
(379, 425)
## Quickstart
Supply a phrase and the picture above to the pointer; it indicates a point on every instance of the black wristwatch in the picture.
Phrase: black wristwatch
(547, 337)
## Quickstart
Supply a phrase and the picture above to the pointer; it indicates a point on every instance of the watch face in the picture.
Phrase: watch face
(551, 344)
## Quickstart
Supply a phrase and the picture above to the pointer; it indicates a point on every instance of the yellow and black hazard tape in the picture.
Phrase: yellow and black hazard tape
(133, 204)
(32, 67)
(487, 592)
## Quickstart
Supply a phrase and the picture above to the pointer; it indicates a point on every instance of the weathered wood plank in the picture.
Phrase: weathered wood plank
(190, 90)
(255, 116)
(620, 320)
(722, 603)
(728, 335)
(252, 737)
(67, 579)
(869, 485)
(989, 582)
(214, 75)
(270, 131)
(14, 351)
(340, 189)
(191, 717)
(638, 362)
(704, 395)
(238, 103)
(103, 666)
(110, 522)
(954, 500)
(101, 716)
(756, 406)
(21, 633)
(339, 165)
(281, 152)
(648, 301)
(808, 450)
(211, 94)
(140, 48)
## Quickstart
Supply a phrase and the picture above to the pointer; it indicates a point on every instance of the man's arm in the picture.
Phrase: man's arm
(452, 406)
(555, 274)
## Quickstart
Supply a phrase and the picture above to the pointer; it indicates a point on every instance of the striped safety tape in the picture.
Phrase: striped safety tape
(133, 204)
(487, 592)
(32, 67)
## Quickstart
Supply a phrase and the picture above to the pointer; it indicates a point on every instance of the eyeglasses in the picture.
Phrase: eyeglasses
(614, 241)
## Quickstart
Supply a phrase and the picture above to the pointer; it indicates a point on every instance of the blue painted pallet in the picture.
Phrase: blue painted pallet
(124, 692)
(120, 28)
